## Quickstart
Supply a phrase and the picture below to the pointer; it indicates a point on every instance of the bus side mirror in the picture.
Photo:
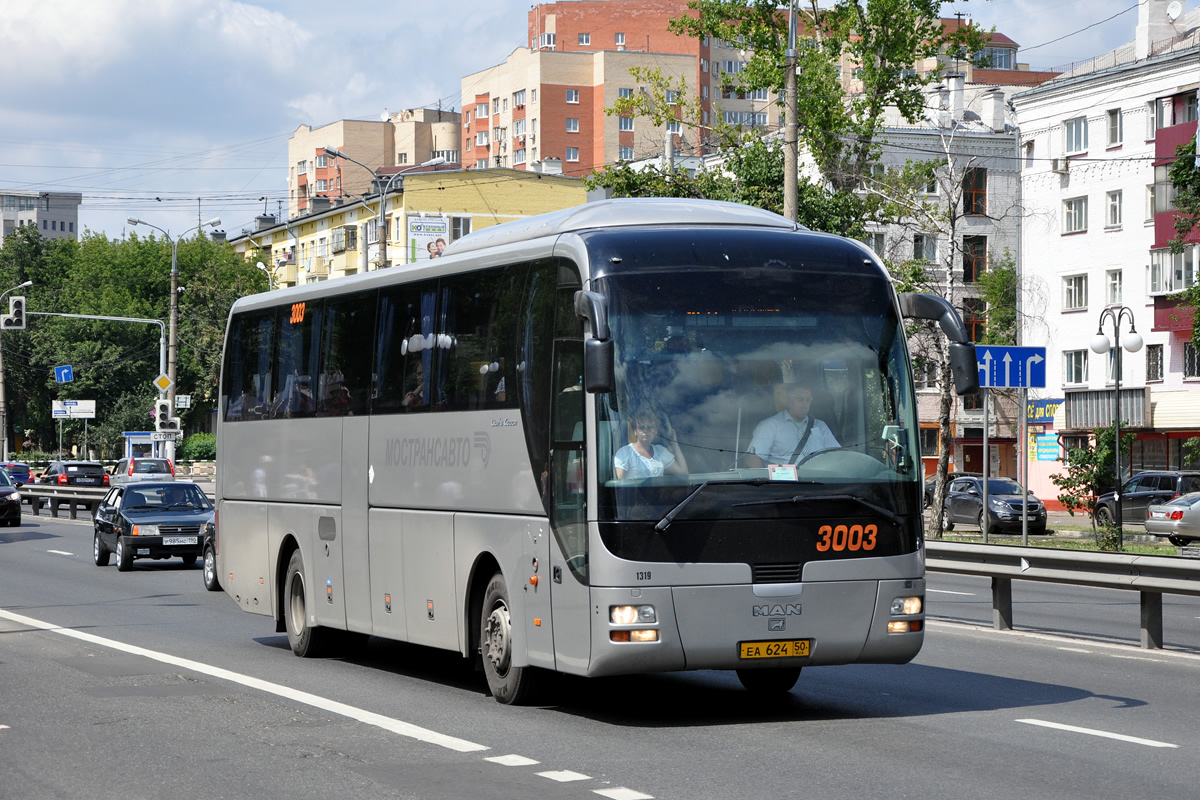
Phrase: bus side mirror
(962, 350)
(598, 366)
(964, 367)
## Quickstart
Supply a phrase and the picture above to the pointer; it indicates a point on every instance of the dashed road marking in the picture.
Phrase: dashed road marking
(564, 776)
(1093, 732)
(60, 552)
(512, 761)
(621, 793)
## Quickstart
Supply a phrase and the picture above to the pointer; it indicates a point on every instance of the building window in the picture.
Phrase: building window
(1154, 362)
(619, 39)
(572, 125)
(401, 158)
(759, 94)
(930, 438)
(1151, 193)
(925, 374)
(1116, 130)
(624, 123)
(518, 99)
(1075, 215)
(1113, 290)
(533, 95)
(573, 96)
(876, 241)
(572, 154)
(546, 41)
(585, 39)
(302, 168)
(322, 185)
(481, 110)
(625, 153)
(974, 313)
(481, 139)
(1075, 367)
(1191, 369)
(975, 191)
(459, 227)
(1172, 272)
(519, 156)
(974, 258)
(322, 161)
(625, 93)
(1112, 366)
(481, 163)
(1077, 135)
(704, 65)
(1075, 293)
(924, 247)
(674, 127)
(495, 105)
(1112, 217)
(994, 58)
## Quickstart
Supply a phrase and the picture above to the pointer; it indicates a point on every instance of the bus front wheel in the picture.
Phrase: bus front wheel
(508, 684)
(306, 641)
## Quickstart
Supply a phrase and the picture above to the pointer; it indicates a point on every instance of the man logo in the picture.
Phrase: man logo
(789, 610)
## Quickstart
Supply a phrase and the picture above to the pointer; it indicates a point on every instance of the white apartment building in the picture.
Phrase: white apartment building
(1096, 144)
(54, 214)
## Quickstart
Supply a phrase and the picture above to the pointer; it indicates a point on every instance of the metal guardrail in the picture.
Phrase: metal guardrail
(1150, 576)
(74, 497)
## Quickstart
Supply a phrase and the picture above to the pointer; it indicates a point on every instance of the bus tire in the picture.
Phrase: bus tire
(306, 641)
(508, 684)
(778, 680)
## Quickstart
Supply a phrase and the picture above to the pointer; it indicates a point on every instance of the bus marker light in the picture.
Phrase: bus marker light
(904, 626)
(533, 580)
(537, 622)
(618, 636)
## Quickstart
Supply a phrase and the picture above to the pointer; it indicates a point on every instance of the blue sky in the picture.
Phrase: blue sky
(180, 110)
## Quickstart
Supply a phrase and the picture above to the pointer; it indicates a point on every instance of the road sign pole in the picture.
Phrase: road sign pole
(1023, 427)
(987, 467)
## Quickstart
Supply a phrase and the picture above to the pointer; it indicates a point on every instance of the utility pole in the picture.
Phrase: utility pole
(791, 129)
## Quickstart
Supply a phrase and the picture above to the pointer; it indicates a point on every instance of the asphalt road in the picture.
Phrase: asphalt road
(146, 686)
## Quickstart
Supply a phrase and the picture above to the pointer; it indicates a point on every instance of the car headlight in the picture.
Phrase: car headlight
(15, 497)
(145, 530)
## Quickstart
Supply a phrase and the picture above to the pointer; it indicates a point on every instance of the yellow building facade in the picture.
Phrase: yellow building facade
(428, 207)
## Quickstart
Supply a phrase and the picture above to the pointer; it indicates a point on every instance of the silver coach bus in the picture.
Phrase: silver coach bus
(442, 454)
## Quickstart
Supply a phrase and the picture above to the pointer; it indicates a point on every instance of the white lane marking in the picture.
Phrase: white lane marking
(60, 552)
(1129, 649)
(947, 591)
(1074, 649)
(1094, 732)
(316, 701)
(621, 793)
(564, 776)
(512, 761)
(4, 727)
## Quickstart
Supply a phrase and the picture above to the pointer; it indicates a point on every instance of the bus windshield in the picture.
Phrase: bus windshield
(762, 387)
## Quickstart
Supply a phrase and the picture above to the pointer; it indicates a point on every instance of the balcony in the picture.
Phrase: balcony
(1172, 315)
(1087, 409)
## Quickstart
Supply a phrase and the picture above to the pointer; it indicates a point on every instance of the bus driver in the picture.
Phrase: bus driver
(790, 435)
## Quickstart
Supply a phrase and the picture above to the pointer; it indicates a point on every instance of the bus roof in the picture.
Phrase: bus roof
(622, 213)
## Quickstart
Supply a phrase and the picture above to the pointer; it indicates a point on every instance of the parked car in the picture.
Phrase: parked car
(1178, 520)
(151, 520)
(17, 471)
(208, 548)
(1152, 487)
(75, 473)
(131, 470)
(964, 504)
(10, 501)
(931, 483)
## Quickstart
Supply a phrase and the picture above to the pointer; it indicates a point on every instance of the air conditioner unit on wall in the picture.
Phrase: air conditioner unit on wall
(1060, 165)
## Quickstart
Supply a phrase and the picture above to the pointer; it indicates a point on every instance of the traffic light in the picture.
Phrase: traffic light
(15, 318)
(163, 421)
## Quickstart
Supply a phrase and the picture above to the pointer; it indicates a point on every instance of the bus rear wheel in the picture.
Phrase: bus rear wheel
(779, 680)
(306, 641)
(508, 684)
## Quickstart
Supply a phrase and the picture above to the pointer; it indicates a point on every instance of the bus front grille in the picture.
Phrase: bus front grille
(777, 573)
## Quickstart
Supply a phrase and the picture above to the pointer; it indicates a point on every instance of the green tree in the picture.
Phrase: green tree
(998, 289)
(1091, 471)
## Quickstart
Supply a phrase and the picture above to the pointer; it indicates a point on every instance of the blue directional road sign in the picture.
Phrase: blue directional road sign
(64, 374)
(1011, 367)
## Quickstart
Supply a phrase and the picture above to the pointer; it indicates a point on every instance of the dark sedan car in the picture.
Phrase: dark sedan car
(151, 520)
(10, 501)
(964, 504)
(74, 473)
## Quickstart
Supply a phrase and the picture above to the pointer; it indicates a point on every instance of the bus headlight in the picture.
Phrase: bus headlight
(906, 605)
(648, 635)
(631, 615)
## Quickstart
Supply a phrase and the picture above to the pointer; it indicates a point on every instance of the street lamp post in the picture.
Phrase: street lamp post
(1101, 344)
(333, 152)
(3, 403)
(172, 341)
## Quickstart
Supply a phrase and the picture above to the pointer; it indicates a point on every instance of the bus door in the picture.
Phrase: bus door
(568, 508)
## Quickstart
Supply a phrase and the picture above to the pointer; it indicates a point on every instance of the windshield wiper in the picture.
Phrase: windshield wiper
(666, 521)
(891, 516)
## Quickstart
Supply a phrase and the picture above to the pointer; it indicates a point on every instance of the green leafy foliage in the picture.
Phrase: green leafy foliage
(1090, 471)
(198, 447)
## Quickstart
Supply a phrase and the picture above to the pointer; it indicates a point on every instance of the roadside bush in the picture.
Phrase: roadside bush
(198, 447)
(1108, 538)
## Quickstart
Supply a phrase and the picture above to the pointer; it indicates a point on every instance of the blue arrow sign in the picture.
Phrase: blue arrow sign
(1011, 367)
(64, 374)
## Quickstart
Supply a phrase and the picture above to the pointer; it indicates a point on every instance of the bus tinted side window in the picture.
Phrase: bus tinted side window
(296, 361)
(345, 386)
(248, 367)
(480, 319)
(404, 349)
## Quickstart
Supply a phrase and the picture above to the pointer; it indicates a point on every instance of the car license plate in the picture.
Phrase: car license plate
(169, 540)
(1158, 514)
(784, 648)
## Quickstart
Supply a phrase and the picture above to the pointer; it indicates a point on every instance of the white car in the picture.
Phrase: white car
(132, 470)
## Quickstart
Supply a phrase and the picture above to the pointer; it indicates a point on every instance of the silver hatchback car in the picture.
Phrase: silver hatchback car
(132, 470)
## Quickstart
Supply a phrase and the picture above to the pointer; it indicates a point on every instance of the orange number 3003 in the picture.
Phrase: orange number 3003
(841, 537)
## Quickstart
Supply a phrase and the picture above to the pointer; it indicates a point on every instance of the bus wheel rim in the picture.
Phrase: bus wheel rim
(498, 638)
(296, 612)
